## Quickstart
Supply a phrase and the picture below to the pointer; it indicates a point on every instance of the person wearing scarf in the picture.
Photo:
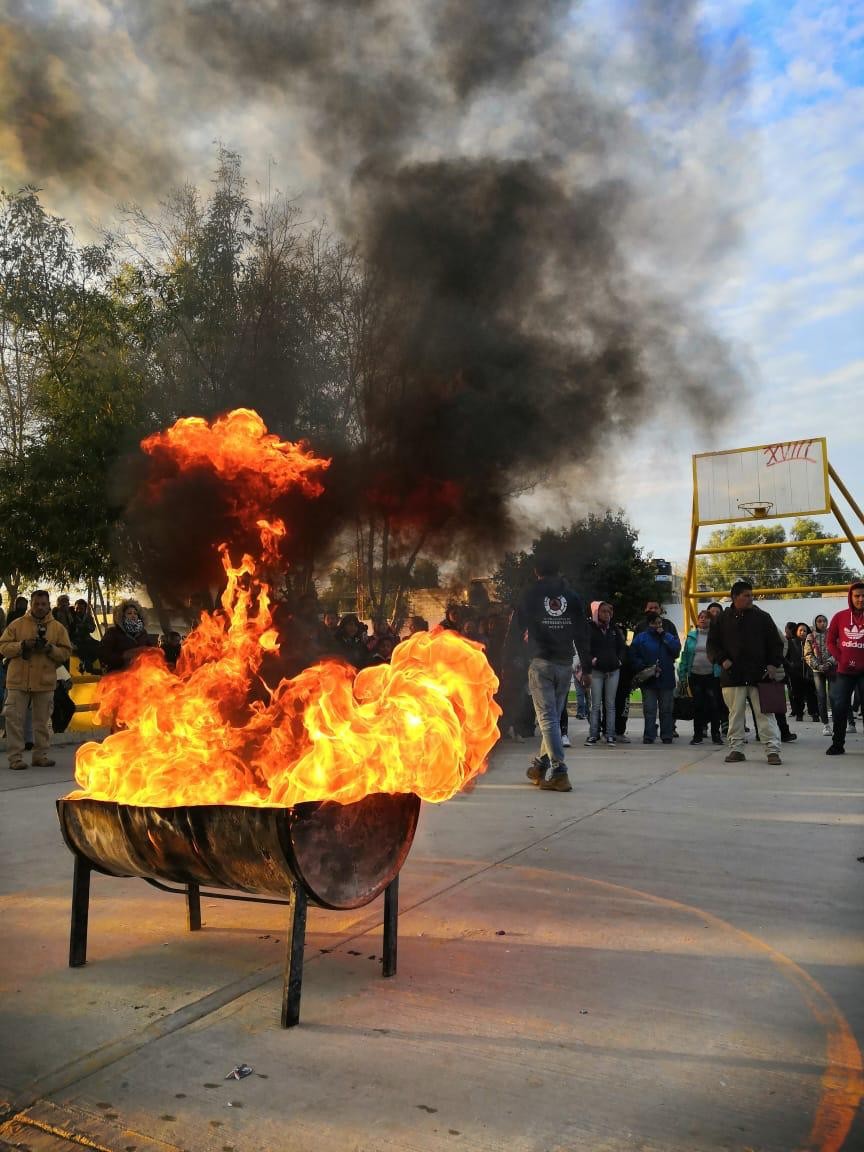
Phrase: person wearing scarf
(125, 638)
(822, 665)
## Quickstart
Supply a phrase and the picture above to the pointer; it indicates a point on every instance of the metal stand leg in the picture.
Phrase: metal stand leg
(80, 912)
(293, 979)
(391, 926)
(193, 907)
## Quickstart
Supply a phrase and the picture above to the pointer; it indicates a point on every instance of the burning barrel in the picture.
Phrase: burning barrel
(216, 776)
(336, 856)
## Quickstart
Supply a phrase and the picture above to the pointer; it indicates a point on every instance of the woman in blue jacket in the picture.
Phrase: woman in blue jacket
(656, 648)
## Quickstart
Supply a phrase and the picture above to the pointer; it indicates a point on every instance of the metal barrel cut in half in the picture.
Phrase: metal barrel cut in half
(344, 855)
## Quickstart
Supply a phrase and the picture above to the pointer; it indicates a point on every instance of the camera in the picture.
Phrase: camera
(41, 632)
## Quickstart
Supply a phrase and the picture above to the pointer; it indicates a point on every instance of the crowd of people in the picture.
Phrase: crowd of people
(732, 659)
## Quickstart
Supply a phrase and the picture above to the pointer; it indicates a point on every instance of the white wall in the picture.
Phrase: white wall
(801, 611)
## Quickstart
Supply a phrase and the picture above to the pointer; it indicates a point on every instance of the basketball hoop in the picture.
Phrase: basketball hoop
(758, 509)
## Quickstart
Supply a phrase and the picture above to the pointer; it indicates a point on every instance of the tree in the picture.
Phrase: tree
(19, 557)
(426, 574)
(599, 556)
(60, 343)
(775, 567)
(815, 566)
(343, 592)
(49, 292)
(765, 569)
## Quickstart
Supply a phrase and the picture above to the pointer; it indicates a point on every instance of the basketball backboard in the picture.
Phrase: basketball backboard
(768, 481)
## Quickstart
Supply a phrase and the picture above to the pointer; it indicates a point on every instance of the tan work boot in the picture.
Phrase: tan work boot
(43, 762)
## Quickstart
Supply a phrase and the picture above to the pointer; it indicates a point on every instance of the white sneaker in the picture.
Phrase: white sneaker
(826, 730)
(565, 740)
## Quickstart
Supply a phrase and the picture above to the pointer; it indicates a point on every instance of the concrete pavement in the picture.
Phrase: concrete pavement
(669, 957)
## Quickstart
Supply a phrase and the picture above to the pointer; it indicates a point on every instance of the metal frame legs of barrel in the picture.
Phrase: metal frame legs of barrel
(292, 979)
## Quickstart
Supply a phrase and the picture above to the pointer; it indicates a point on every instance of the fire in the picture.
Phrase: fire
(214, 733)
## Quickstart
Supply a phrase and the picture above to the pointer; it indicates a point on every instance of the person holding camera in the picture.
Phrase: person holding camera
(34, 645)
(653, 653)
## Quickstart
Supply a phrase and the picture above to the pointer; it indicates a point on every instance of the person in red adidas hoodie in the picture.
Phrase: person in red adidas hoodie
(846, 644)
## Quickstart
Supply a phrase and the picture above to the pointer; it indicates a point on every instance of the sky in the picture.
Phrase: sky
(792, 298)
(736, 125)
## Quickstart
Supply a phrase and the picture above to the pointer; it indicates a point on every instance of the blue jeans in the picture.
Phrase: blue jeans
(822, 684)
(549, 684)
(583, 704)
(651, 698)
(604, 686)
(841, 696)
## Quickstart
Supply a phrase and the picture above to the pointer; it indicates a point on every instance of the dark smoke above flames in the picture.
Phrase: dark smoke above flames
(553, 245)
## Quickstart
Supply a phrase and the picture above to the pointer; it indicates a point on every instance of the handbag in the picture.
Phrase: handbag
(646, 675)
(772, 696)
(683, 704)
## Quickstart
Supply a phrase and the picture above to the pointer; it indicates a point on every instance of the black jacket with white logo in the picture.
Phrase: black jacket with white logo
(555, 620)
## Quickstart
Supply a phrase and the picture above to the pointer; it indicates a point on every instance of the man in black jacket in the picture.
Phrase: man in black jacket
(745, 642)
(554, 618)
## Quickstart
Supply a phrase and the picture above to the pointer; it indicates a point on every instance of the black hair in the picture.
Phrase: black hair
(740, 586)
(546, 566)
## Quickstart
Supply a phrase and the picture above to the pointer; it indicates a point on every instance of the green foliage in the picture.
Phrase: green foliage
(425, 574)
(77, 340)
(599, 556)
(814, 566)
(48, 299)
(19, 556)
(765, 569)
(775, 567)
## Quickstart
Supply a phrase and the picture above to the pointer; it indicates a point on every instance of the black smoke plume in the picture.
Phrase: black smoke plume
(525, 224)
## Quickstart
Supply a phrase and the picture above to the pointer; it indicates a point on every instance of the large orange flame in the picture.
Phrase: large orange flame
(213, 733)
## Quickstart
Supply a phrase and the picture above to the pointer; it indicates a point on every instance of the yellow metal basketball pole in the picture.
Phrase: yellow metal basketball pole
(690, 578)
(775, 544)
(692, 594)
(852, 539)
(780, 593)
(846, 495)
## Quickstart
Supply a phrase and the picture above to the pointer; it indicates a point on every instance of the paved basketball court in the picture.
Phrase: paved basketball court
(669, 957)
